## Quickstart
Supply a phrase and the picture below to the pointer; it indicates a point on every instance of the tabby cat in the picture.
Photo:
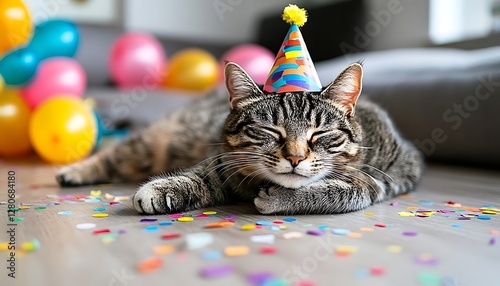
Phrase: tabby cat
(291, 153)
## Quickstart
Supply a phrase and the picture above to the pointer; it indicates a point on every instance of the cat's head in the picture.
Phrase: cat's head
(296, 138)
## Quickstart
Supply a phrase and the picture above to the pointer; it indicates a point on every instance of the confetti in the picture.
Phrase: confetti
(185, 219)
(380, 225)
(147, 219)
(377, 270)
(211, 255)
(410, 233)
(39, 208)
(315, 232)
(264, 238)
(30, 246)
(170, 235)
(493, 240)
(210, 213)
(219, 224)
(149, 265)
(323, 227)
(101, 231)
(164, 249)
(354, 235)
(95, 193)
(345, 250)
(406, 214)
(426, 259)
(289, 219)
(175, 216)
(216, 271)
(293, 234)
(99, 209)
(369, 214)
(85, 225)
(166, 223)
(367, 229)
(65, 213)
(248, 227)
(151, 228)
(278, 222)
(456, 225)
(484, 217)
(100, 215)
(429, 279)
(239, 250)
(264, 222)
(267, 250)
(362, 272)
(394, 248)
(340, 231)
(394, 204)
(199, 240)
(259, 278)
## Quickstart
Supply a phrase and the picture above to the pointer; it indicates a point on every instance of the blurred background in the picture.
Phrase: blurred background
(433, 64)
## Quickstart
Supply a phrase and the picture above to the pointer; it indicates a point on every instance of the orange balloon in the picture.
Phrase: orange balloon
(63, 130)
(14, 124)
(15, 24)
(192, 69)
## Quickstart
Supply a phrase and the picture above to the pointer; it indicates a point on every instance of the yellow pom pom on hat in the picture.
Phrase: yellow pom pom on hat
(293, 69)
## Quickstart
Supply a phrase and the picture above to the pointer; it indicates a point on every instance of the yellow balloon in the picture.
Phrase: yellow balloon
(63, 130)
(192, 69)
(2, 83)
(14, 122)
(15, 24)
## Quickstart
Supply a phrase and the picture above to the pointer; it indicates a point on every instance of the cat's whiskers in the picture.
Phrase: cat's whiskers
(337, 172)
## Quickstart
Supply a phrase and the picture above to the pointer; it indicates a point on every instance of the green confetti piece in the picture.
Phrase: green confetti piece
(429, 279)
(40, 208)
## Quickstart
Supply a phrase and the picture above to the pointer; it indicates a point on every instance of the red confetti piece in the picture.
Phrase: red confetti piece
(380, 225)
(170, 235)
(278, 222)
(101, 231)
(267, 250)
(377, 270)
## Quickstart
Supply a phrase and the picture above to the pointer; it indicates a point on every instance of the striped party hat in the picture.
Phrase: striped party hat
(293, 69)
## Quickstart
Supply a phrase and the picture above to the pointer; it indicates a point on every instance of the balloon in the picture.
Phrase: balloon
(14, 122)
(55, 38)
(18, 67)
(55, 76)
(15, 24)
(256, 60)
(192, 69)
(137, 60)
(63, 130)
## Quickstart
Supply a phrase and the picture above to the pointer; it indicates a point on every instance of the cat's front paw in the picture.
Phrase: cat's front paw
(267, 201)
(160, 196)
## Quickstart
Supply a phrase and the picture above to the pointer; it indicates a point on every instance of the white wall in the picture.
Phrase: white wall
(229, 21)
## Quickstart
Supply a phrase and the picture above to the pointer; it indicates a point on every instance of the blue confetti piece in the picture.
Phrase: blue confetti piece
(340, 231)
(211, 255)
(289, 219)
(362, 272)
(484, 217)
(274, 227)
(264, 222)
(65, 213)
(456, 225)
(323, 227)
(166, 223)
(99, 209)
(151, 228)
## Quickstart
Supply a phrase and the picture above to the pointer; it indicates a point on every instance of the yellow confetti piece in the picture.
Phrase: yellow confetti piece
(369, 214)
(219, 224)
(354, 235)
(100, 215)
(24, 207)
(293, 234)
(283, 227)
(108, 196)
(412, 208)
(239, 250)
(185, 219)
(394, 248)
(210, 213)
(346, 249)
(95, 193)
(406, 214)
(248, 227)
(121, 198)
(367, 229)
(490, 212)
(164, 249)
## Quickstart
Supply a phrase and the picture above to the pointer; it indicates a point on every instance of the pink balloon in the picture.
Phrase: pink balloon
(137, 60)
(55, 77)
(256, 60)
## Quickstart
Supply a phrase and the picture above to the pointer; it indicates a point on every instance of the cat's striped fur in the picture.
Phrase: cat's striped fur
(292, 153)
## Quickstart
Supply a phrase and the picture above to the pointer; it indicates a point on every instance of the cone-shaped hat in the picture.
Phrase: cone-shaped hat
(293, 69)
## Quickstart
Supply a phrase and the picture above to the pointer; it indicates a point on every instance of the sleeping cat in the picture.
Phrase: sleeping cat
(291, 153)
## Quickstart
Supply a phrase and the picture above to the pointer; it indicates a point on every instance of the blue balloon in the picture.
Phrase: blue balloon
(19, 66)
(55, 38)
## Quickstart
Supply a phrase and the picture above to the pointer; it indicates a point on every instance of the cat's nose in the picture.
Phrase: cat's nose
(295, 160)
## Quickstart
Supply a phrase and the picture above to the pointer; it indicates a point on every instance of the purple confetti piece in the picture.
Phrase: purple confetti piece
(122, 231)
(149, 220)
(231, 217)
(409, 233)
(428, 261)
(493, 240)
(394, 204)
(315, 232)
(464, 218)
(259, 278)
(216, 271)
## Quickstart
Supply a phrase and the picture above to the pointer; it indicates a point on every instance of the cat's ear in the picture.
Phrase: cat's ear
(346, 88)
(239, 85)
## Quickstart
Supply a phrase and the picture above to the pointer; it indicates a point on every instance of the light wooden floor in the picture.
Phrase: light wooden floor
(463, 252)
